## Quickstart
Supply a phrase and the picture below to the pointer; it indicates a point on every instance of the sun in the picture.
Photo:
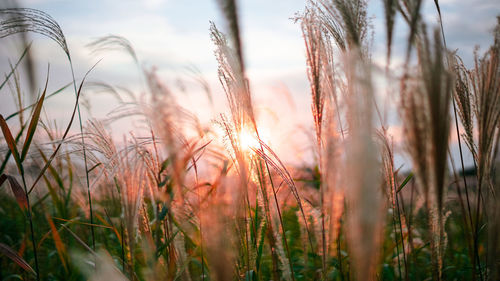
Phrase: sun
(248, 139)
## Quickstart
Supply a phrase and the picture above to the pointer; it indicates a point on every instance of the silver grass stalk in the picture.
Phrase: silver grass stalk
(494, 227)
(362, 181)
(485, 79)
(425, 105)
(347, 21)
(321, 75)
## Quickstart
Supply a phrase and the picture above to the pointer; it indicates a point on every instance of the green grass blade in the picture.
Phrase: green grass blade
(34, 122)
(403, 184)
(7, 156)
(11, 254)
(17, 190)
(7, 77)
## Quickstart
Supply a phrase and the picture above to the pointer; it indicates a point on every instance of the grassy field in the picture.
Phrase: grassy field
(186, 203)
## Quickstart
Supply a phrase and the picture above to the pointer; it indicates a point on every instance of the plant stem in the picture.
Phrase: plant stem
(402, 237)
(397, 243)
(32, 230)
(84, 157)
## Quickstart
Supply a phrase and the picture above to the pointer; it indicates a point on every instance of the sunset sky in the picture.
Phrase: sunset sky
(173, 35)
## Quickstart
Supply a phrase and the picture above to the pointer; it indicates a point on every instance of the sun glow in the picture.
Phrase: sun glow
(248, 139)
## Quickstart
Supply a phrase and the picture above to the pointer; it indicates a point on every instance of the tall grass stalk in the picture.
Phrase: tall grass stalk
(457, 130)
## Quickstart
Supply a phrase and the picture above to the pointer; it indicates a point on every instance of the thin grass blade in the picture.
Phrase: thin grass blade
(7, 77)
(11, 143)
(34, 122)
(61, 249)
(11, 254)
(18, 192)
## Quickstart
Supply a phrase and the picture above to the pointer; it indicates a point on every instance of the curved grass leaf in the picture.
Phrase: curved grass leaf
(8, 154)
(11, 254)
(17, 190)
(34, 122)
(7, 77)
(61, 249)
(11, 143)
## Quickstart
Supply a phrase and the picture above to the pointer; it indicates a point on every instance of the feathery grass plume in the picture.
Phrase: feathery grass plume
(314, 41)
(468, 141)
(425, 105)
(126, 181)
(388, 166)
(20, 20)
(114, 91)
(238, 96)
(347, 22)
(410, 11)
(438, 85)
(330, 21)
(102, 142)
(233, 81)
(197, 76)
(331, 84)
(130, 179)
(485, 79)
(391, 190)
(362, 180)
(464, 100)
(321, 75)
(113, 42)
(464, 105)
